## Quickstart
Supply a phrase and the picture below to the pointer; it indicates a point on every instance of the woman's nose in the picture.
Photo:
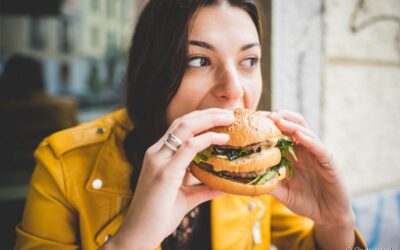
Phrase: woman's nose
(228, 85)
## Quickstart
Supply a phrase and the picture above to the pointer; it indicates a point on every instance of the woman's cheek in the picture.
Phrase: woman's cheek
(253, 90)
(195, 83)
(192, 91)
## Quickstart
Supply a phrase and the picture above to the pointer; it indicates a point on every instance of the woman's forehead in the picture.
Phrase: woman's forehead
(213, 23)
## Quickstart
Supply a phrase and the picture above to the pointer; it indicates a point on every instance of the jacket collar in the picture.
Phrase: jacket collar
(112, 172)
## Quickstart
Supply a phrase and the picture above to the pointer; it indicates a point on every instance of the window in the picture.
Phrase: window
(111, 42)
(94, 5)
(111, 8)
(94, 33)
(37, 33)
(65, 36)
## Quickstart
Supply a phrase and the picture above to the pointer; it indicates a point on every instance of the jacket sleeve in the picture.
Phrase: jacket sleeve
(48, 222)
(291, 231)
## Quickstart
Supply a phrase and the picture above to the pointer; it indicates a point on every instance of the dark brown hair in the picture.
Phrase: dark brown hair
(157, 63)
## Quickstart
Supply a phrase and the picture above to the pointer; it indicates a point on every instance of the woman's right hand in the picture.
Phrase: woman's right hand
(162, 199)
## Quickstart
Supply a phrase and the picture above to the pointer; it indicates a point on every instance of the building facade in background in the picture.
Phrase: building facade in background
(83, 49)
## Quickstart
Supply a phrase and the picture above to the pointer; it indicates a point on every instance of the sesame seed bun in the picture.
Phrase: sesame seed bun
(250, 127)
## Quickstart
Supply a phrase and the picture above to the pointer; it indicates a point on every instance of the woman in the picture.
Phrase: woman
(190, 62)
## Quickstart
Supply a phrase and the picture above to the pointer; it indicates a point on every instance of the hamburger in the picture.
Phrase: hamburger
(252, 162)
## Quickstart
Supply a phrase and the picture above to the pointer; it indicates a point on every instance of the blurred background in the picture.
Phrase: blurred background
(337, 62)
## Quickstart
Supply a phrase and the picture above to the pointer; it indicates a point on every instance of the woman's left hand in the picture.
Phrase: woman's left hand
(316, 190)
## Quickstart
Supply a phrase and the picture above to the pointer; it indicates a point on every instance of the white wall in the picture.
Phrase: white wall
(361, 92)
(345, 83)
(297, 58)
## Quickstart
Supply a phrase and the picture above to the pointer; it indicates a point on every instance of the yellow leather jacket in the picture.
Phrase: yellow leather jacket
(80, 192)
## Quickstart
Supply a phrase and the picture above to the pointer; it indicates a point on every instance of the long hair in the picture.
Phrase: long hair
(157, 63)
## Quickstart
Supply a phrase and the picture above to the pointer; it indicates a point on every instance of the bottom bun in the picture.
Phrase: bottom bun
(234, 187)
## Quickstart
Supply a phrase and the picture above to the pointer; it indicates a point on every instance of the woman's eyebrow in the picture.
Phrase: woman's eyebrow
(202, 44)
(250, 45)
(211, 47)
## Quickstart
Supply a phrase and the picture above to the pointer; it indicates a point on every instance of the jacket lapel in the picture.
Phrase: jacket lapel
(111, 167)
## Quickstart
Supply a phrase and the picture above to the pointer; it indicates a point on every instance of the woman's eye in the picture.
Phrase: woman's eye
(250, 62)
(198, 62)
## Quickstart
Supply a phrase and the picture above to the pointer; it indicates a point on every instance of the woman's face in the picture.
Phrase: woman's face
(223, 68)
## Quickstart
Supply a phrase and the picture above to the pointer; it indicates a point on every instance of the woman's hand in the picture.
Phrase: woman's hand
(316, 190)
(162, 197)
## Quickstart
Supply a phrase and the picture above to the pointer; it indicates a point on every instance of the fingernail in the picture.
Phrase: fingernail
(272, 115)
(230, 116)
(225, 136)
(301, 134)
(283, 121)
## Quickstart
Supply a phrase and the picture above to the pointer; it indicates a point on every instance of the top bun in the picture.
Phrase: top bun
(250, 127)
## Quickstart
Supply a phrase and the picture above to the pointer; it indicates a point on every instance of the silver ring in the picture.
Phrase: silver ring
(170, 146)
(173, 139)
(326, 164)
(173, 142)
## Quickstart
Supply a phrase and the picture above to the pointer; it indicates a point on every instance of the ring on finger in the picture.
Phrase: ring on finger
(173, 142)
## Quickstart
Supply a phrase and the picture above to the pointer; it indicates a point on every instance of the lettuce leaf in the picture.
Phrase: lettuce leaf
(203, 155)
(286, 145)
